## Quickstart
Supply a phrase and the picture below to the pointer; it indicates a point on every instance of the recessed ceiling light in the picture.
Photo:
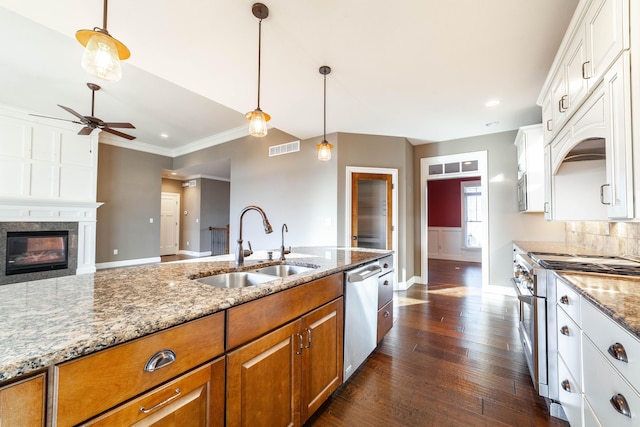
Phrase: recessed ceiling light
(164, 135)
(174, 173)
(492, 103)
(491, 124)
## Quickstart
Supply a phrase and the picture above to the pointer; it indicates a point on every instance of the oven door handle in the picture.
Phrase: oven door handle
(527, 299)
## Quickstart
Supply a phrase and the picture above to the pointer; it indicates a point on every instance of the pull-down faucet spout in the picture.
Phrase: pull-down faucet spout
(240, 251)
(283, 251)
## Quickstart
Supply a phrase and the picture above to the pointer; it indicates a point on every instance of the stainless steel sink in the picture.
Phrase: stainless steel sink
(237, 279)
(283, 270)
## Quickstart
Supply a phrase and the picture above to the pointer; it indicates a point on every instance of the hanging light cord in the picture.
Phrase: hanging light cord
(324, 132)
(259, 54)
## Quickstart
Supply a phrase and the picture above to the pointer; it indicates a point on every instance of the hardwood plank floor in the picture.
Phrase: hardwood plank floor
(452, 358)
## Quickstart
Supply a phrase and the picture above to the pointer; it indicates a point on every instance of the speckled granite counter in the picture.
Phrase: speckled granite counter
(617, 296)
(50, 321)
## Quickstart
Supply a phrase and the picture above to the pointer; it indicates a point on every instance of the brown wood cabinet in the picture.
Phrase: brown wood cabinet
(385, 298)
(23, 403)
(283, 377)
(105, 379)
(193, 399)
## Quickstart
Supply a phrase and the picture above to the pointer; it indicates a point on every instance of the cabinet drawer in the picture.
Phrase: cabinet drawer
(570, 347)
(22, 403)
(606, 335)
(183, 401)
(107, 378)
(570, 394)
(255, 318)
(385, 289)
(569, 300)
(385, 320)
(386, 264)
(590, 419)
(601, 383)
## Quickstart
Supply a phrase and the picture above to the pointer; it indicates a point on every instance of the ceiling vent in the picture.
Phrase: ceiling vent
(289, 147)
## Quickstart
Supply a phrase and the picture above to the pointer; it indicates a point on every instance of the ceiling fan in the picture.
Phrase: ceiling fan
(91, 122)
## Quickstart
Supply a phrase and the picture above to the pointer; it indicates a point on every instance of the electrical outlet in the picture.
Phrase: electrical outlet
(115, 252)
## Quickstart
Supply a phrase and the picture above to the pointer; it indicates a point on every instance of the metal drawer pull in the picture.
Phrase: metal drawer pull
(602, 194)
(164, 402)
(584, 73)
(159, 360)
(564, 300)
(386, 313)
(620, 404)
(618, 352)
(300, 345)
(564, 330)
(386, 283)
(385, 265)
(308, 338)
(566, 386)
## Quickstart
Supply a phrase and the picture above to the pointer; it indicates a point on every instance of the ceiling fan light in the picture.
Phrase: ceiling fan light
(100, 58)
(258, 122)
(324, 151)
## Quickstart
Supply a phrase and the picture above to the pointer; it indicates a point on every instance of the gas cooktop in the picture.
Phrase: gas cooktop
(587, 263)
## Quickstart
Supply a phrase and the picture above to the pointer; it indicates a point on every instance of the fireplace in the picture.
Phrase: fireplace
(37, 250)
(32, 251)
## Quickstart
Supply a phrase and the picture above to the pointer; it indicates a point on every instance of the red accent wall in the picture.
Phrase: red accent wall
(444, 202)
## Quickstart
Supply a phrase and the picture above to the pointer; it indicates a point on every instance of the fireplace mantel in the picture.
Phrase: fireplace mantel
(27, 209)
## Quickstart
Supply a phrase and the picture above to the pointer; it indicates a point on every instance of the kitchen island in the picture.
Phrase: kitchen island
(50, 321)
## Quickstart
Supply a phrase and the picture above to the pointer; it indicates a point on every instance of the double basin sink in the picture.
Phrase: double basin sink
(242, 279)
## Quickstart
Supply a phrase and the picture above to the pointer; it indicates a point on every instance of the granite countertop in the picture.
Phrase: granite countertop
(50, 321)
(616, 296)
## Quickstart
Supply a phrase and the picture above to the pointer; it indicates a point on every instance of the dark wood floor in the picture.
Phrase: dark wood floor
(453, 358)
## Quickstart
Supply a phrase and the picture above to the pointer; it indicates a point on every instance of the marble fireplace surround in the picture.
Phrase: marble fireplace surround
(72, 247)
(79, 218)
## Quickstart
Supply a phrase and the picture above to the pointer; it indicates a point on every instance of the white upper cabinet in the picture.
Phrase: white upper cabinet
(598, 35)
(529, 148)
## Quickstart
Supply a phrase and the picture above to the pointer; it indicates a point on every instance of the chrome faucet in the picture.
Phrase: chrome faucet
(240, 251)
(283, 251)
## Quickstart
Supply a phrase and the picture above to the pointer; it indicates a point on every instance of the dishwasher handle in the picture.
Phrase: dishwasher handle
(364, 274)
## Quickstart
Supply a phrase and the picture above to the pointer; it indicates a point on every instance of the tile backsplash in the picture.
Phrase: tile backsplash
(614, 238)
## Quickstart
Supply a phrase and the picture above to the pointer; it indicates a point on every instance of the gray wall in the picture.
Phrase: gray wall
(505, 223)
(295, 189)
(214, 209)
(382, 152)
(129, 185)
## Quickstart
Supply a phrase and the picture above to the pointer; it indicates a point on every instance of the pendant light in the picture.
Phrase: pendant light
(257, 118)
(324, 148)
(102, 52)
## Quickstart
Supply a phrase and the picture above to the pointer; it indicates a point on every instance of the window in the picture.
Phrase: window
(472, 214)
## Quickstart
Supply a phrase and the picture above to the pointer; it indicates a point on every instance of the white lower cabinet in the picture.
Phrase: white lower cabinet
(614, 401)
(590, 419)
(570, 394)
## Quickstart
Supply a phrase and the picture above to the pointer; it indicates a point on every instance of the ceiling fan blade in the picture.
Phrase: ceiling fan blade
(85, 131)
(71, 111)
(119, 125)
(121, 134)
(56, 118)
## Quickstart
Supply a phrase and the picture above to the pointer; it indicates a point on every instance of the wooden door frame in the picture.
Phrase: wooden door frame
(175, 196)
(350, 170)
(388, 179)
(482, 172)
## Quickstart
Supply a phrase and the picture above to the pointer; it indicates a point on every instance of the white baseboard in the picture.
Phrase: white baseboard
(403, 286)
(193, 253)
(86, 270)
(126, 263)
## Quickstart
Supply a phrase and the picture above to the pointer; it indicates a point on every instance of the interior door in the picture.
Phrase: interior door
(169, 226)
(371, 215)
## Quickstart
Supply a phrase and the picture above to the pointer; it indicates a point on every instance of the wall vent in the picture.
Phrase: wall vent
(289, 147)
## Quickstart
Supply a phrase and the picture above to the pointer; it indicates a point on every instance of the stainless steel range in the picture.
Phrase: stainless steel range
(535, 288)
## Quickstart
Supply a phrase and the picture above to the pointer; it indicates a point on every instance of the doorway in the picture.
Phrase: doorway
(465, 165)
(169, 223)
(372, 211)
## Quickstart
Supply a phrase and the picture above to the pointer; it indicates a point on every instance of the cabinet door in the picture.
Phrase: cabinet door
(548, 187)
(559, 101)
(575, 64)
(195, 399)
(322, 355)
(619, 197)
(607, 32)
(22, 403)
(263, 380)
(547, 118)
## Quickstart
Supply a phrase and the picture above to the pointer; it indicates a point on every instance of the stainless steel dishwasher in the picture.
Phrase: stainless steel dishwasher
(361, 315)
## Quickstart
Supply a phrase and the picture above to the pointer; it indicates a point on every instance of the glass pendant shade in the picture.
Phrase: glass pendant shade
(100, 58)
(324, 151)
(258, 122)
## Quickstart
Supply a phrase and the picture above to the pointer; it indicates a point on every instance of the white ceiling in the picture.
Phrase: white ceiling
(420, 69)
